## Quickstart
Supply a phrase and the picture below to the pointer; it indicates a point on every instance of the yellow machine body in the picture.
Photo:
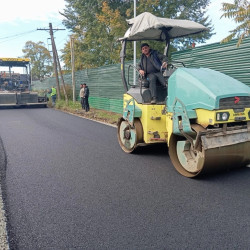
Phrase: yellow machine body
(207, 117)
(153, 120)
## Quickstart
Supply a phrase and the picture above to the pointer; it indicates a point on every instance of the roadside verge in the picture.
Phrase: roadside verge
(4, 245)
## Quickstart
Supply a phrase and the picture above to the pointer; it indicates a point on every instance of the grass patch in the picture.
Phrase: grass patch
(94, 114)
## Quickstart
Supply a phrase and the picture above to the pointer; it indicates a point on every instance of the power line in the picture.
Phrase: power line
(62, 40)
(58, 25)
(11, 37)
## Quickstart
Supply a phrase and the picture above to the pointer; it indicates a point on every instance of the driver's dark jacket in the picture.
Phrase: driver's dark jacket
(156, 60)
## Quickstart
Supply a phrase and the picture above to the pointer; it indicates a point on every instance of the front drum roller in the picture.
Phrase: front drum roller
(129, 136)
(191, 163)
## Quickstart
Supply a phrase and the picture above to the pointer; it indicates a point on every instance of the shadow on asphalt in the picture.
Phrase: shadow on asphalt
(153, 149)
(241, 173)
(24, 107)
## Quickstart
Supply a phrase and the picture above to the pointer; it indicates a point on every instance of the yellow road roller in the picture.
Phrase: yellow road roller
(202, 115)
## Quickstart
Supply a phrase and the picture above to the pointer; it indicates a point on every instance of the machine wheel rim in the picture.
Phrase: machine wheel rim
(186, 160)
(129, 136)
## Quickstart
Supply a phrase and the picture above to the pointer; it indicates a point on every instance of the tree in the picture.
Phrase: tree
(98, 24)
(239, 11)
(40, 60)
(80, 62)
(97, 27)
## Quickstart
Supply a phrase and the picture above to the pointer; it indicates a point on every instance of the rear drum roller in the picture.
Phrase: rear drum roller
(129, 136)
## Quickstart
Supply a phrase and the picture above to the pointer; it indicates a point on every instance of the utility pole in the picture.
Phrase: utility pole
(54, 56)
(72, 42)
(134, 47)
(60, 71)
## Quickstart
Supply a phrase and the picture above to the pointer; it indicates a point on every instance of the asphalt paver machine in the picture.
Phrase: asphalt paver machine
(15, 86)
(203, 115)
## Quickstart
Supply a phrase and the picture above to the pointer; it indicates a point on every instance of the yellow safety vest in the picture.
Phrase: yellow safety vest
(53, 91)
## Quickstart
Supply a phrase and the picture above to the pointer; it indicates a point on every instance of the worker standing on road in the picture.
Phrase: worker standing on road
(82, 96)
(86, 97)
(53, 95)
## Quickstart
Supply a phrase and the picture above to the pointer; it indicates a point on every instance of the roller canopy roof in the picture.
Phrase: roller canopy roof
(146, 26)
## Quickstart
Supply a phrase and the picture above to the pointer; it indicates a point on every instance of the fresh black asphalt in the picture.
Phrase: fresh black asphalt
(68, 185)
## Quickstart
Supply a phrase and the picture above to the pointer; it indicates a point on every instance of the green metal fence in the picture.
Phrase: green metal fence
(105, 84)
(226, 58)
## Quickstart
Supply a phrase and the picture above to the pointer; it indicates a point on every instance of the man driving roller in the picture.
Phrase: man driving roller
(150, 67)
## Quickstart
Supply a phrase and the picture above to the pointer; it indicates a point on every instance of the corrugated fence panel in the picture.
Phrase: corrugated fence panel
(105, 84)
(226, 58)
(114, 105)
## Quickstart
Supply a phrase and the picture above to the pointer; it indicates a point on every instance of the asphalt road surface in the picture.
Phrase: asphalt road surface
(68, 185)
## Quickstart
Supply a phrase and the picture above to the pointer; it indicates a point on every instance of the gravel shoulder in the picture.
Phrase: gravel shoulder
(3, 220)
(3, 232)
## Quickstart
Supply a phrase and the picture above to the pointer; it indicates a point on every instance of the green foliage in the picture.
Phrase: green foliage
(97, 25)
(239, 11)
(60, 104)
(74, 105)
(40, 60)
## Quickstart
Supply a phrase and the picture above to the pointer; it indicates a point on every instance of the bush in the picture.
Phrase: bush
(69, 92)
(60, 104)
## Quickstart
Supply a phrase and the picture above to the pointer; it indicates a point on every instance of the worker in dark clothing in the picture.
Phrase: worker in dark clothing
(150, 67)
(86, 97)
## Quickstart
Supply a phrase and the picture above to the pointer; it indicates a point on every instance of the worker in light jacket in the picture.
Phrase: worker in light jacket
(82, 96)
